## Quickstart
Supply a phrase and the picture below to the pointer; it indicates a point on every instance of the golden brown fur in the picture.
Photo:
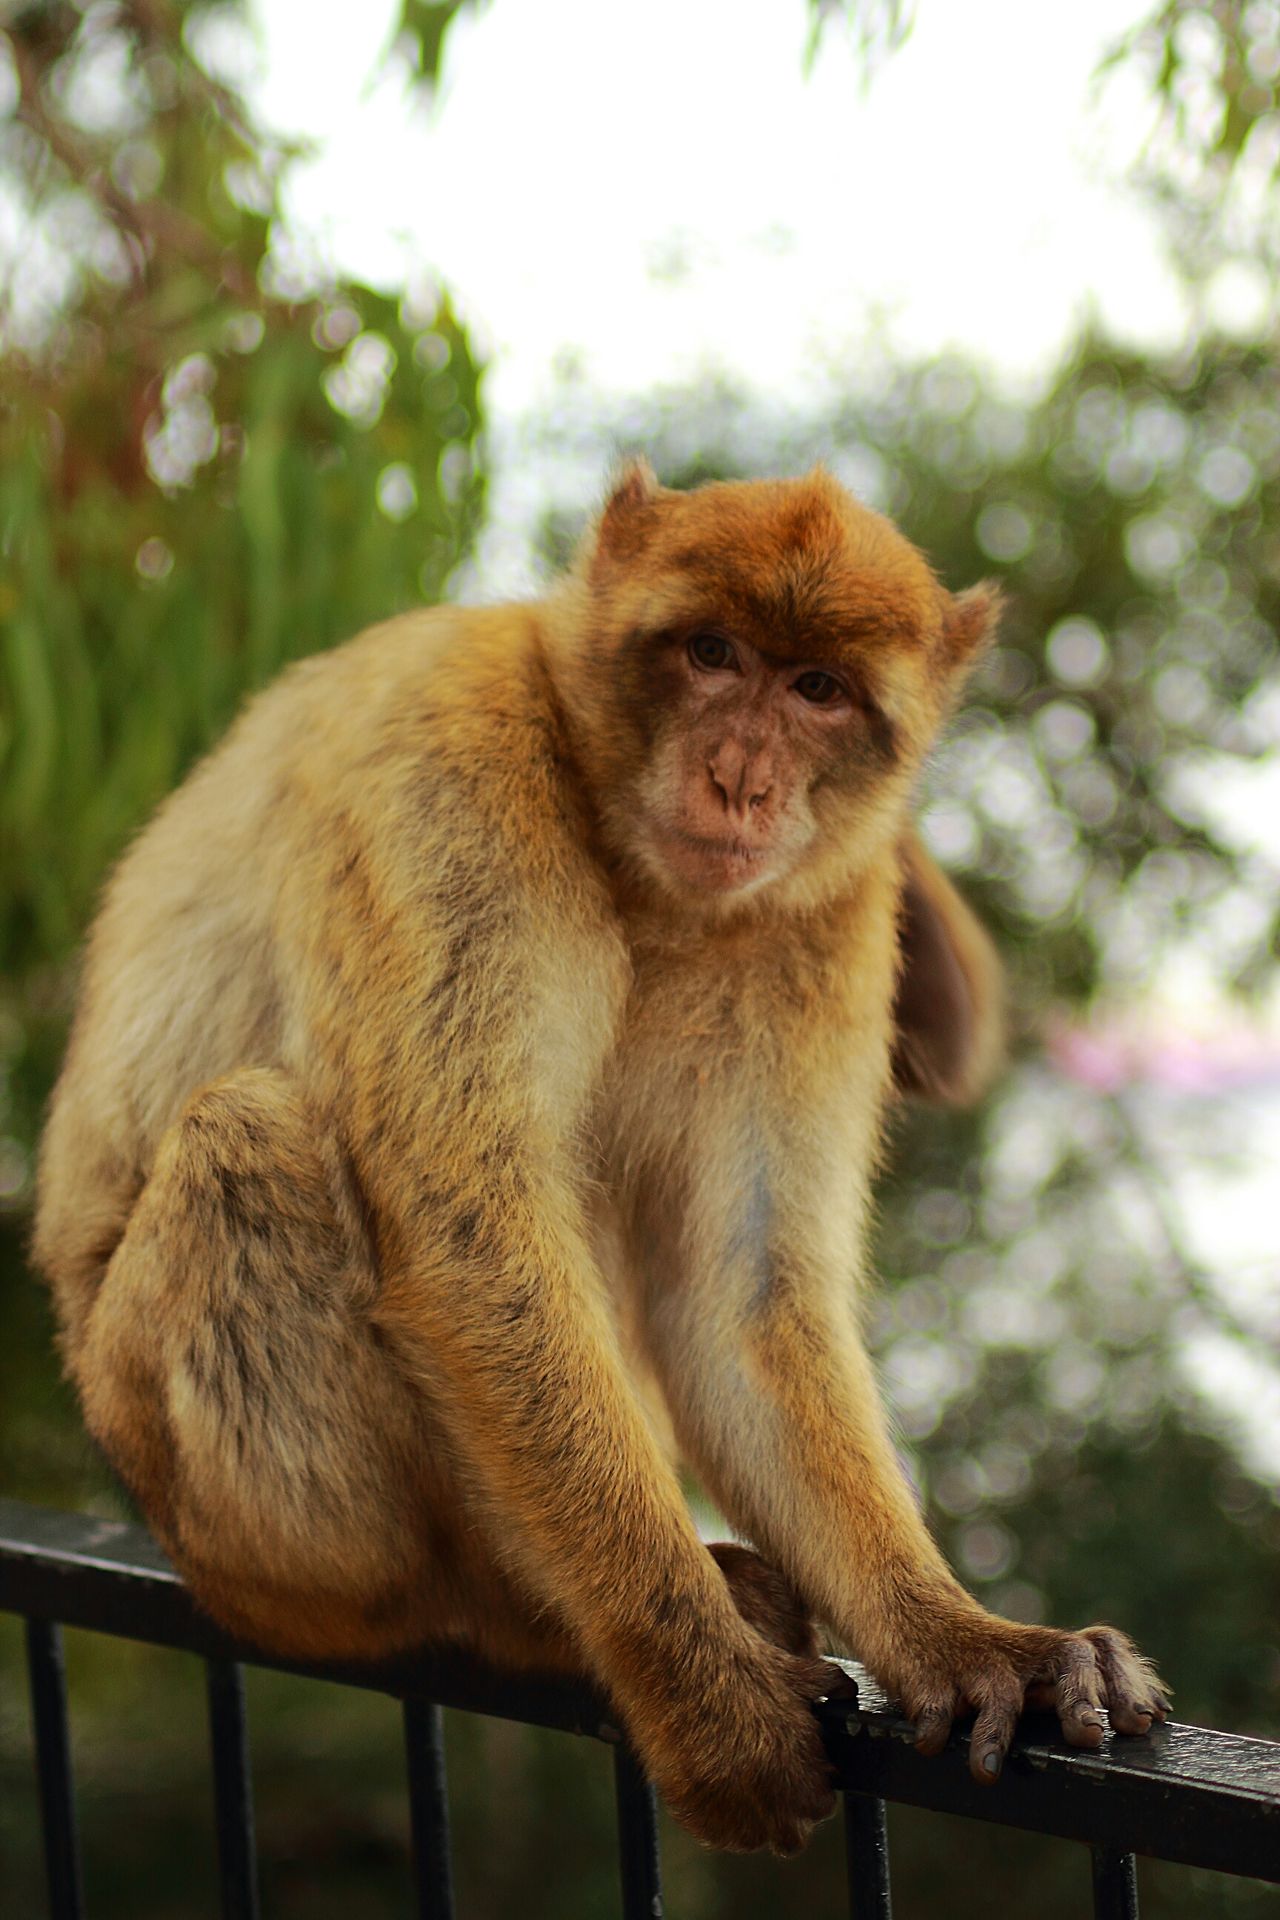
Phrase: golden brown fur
(472, 1109)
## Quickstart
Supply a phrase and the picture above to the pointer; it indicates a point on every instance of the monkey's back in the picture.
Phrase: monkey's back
(184, 978)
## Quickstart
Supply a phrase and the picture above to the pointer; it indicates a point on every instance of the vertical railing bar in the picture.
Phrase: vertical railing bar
(866, 1844)
(48, 1679)
(428, 1810)
(638, 1861)
(1115, 1885)
(232, 1790)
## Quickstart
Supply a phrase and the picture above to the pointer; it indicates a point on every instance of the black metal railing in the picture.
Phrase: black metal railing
(1182, 1794)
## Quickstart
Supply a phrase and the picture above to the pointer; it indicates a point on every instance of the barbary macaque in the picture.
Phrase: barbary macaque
(471, 1115)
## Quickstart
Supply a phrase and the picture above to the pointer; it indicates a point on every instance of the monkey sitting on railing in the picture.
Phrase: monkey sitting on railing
(472, 1111)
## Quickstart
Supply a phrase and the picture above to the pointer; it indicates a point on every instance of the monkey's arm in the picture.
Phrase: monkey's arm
(777, 1408)
(505, 1325)
(949, 1005)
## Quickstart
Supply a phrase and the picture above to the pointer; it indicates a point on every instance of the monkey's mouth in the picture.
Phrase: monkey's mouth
(712, 864)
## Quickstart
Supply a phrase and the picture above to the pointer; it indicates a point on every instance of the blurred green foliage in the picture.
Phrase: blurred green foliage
(1215, 66)
(423, 26)
(878, 27)
(215, 456)
(1212, 65)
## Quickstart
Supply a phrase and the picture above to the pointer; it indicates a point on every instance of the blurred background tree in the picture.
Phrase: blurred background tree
(216, 454)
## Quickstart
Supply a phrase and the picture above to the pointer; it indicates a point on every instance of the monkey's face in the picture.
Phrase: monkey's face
(741, 745)
(763, 667)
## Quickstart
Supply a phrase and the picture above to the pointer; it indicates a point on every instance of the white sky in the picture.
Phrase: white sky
(659, 188)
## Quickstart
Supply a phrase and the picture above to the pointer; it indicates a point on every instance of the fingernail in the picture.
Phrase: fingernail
(991, 1763)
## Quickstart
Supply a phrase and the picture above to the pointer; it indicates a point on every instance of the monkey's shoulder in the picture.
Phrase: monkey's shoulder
(430, 752)
(446, 705)
(425, 736)
(445, 717)
(415, 679)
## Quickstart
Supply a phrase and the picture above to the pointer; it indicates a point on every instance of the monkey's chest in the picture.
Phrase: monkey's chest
(736, 1118)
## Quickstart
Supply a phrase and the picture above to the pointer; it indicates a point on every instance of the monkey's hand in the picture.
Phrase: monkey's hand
(996, 1668)
(741, 1762)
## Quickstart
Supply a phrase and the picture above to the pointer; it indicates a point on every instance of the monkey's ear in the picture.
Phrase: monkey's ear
(949, 1009)
(970, 620)
(621, 529)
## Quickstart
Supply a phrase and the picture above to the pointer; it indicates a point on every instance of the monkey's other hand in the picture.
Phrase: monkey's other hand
(767, 1601)
(997, 1668)
(742, 1764)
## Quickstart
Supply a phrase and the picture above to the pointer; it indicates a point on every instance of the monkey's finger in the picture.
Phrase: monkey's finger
(1078, 1696)
(837, 1684)
(1135, 1694)
(1001, 1699)
(821, 1679)
(933, 1728)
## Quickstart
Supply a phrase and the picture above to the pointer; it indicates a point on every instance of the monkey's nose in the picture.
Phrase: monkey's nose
(742, 780)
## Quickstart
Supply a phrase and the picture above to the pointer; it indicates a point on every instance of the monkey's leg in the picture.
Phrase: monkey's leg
(303, 1485)
(233, 1375)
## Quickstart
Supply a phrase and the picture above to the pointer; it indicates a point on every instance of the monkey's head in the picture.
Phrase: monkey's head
(754, 674)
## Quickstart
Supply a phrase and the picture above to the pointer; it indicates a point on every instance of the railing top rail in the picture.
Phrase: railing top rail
(1183, 1793)
(111, 1577)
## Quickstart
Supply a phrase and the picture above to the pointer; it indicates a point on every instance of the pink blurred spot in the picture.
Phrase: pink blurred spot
(1109, 1054)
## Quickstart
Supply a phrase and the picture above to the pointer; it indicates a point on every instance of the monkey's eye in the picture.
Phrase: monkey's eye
(819, 689)
(711, 652)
